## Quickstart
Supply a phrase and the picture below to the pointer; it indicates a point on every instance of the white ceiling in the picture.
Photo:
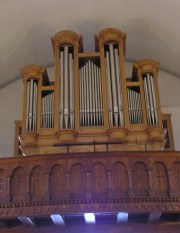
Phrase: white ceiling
(152, 28)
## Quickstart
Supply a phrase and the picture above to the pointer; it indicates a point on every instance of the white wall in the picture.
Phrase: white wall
(11, 107)
(169, 89)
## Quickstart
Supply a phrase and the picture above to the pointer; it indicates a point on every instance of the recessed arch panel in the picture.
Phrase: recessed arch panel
(78, 181)
(57, 182)
(99, 181)
(159, 180)
(38, 183)
(139, 180)
(18, 185)
(119, 180)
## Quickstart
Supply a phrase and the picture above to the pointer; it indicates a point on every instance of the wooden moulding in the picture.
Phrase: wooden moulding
(155, 133)
(67, 135)
(29, 138)
(118, 134)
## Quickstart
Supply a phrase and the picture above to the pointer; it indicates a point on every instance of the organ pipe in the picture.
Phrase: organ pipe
(71, 90)
(27, 105)
(113, 84)
(96, 97)
(66, 89)
(153, 97)
(93, 95)
(34, 105)
(100, 97)
(118, 87)
(80, 97)
(62, 90)
(109, 91)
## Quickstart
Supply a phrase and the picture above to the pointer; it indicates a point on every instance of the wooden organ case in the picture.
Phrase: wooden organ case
(91, 101)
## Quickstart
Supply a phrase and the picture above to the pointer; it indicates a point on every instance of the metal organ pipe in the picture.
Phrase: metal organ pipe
(61, 89)
(118, 87)
(87, 94)
(34, 105)
(147, 102)
(129, 105)
(153, 98)
(90, 91)
(27, 104)
(100, 97)
(96, 97)
(71, 90)
(139, 110)
(113, 83)
(30, 105)
(83, 96)
(66, 91)
(93, 95)
(109, 91)
(80, 96)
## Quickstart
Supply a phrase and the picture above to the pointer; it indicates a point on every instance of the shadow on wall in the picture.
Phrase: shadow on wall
(151, 41)
(34, 49)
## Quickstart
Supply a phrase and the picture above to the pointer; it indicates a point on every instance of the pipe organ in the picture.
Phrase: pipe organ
(91, 99)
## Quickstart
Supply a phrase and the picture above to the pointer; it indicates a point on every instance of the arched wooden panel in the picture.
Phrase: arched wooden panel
(18, 187)
(175, 175)
(119, 180)
(3, 185)
(37, 183)
(139, 180)
(78, 181)
(159, 180)
(175, 179)
(99, 181)
(57, 182)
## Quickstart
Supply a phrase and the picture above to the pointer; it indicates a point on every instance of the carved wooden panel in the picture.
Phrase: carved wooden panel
(159, 180)
(99, 181)
(78, 182)
(57, 181)
(104, 178)
(175, 179)
(139, 180)
(3, 185)
(38, 183)
(119, 180)
(18, 185)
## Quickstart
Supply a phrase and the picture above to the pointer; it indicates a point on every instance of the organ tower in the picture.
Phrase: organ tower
(91, 105)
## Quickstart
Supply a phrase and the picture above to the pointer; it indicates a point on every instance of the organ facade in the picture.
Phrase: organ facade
(91, 101)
